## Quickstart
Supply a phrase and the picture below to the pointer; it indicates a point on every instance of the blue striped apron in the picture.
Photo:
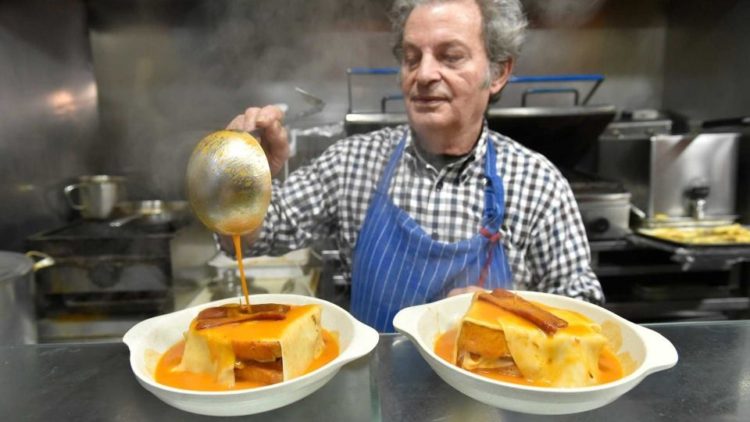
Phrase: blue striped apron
(396, 264)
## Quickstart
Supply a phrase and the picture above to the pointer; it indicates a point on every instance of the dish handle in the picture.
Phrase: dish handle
(406, 320)
(364, 340)
(133, 334)
(660, 352)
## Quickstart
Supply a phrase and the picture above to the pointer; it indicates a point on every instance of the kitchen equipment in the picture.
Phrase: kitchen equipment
(604, 205)
(150, 338)
(96, 195)
(649, 349)
(151, 211)
(731, 235)
(564, 135)
(693, 177)
(17, 310)
(286, 266)
(675, 180)
(265, 274)
(229, 182)
(104, 280)
(624, 151)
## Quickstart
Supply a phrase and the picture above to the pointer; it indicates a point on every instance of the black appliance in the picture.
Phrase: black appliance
(101, 275)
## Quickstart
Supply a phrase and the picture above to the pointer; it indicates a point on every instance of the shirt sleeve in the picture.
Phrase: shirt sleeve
(559, 256)
(302, 209)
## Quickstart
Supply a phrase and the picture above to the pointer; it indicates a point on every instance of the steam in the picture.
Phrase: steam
(171, 72)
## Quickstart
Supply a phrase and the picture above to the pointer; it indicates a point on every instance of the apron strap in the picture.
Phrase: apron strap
(385, 179)
(493, 239)
(494, 194)
(494, 208)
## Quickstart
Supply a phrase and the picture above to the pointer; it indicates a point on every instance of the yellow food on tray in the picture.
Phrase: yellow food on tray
(504, 337)
(727, 234)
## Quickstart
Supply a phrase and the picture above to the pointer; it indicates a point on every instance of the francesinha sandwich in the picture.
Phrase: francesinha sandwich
(261, 344)
(504, 336)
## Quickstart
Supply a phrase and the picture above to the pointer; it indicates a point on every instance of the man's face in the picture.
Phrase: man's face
(444, 71)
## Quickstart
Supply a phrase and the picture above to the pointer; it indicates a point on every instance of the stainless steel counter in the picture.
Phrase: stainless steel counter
(93, 382)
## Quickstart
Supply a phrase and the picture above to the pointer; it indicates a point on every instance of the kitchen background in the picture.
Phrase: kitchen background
(128, 87)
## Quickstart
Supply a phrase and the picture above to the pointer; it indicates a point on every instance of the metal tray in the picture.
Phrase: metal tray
(96, 238)
(692, 256)
(649, 233)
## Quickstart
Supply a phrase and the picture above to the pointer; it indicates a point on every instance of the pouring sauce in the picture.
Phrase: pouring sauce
(238, 253)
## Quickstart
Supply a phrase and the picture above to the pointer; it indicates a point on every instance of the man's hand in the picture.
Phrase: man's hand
(269, 121)
(462, 290)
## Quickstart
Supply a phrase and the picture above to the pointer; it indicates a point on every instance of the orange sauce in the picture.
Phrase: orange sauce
(238, 253)
(445, 347)
(165, 373)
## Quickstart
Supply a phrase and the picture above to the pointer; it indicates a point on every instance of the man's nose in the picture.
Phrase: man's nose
(429, 70)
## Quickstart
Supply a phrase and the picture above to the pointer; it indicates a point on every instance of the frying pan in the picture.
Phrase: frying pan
(151, 211)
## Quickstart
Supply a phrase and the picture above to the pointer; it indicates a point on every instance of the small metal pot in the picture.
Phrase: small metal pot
(97, 195)
(17, 311)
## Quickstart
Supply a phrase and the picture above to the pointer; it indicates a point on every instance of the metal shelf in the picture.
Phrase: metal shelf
(678, 308)
(634, 270)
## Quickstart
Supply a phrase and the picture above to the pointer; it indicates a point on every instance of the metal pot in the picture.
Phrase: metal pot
(97, 195)
(17, 312)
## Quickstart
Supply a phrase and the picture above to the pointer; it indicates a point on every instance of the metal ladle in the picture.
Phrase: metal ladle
(229, 180)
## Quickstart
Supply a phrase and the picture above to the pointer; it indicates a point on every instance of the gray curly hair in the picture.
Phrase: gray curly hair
(503, 28)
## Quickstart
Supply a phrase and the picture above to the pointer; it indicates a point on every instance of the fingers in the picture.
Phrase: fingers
(247, 122)
(269, 116)
(275, 142)
(237, 123)
(274, 137)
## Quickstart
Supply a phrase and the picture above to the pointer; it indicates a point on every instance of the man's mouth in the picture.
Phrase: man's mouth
(427, 99)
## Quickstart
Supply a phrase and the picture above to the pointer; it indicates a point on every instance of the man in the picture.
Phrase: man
(441, 205)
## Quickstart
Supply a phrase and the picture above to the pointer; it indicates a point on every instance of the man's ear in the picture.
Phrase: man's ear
(500, 74)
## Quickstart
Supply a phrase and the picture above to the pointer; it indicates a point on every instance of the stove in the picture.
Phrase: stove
(105, 277)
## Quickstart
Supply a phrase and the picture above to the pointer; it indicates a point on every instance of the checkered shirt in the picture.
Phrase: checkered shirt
(543, 234)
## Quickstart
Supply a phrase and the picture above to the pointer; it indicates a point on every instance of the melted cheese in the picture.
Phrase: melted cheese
(214, 351)
(569, 358)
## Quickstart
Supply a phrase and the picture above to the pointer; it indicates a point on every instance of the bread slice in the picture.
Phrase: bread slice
(232, 344)
(496, 339)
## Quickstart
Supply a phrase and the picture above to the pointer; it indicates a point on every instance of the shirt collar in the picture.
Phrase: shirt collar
(459, 167)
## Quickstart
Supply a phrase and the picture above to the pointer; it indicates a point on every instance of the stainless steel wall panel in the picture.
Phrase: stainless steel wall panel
(681, 162)
(48, 113)
(707, 59)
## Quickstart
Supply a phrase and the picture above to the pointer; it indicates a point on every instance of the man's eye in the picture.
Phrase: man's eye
(411, 59)
(453, 58)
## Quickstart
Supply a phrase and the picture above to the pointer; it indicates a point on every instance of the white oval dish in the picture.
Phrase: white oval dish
(150, 338)
(423, 323)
